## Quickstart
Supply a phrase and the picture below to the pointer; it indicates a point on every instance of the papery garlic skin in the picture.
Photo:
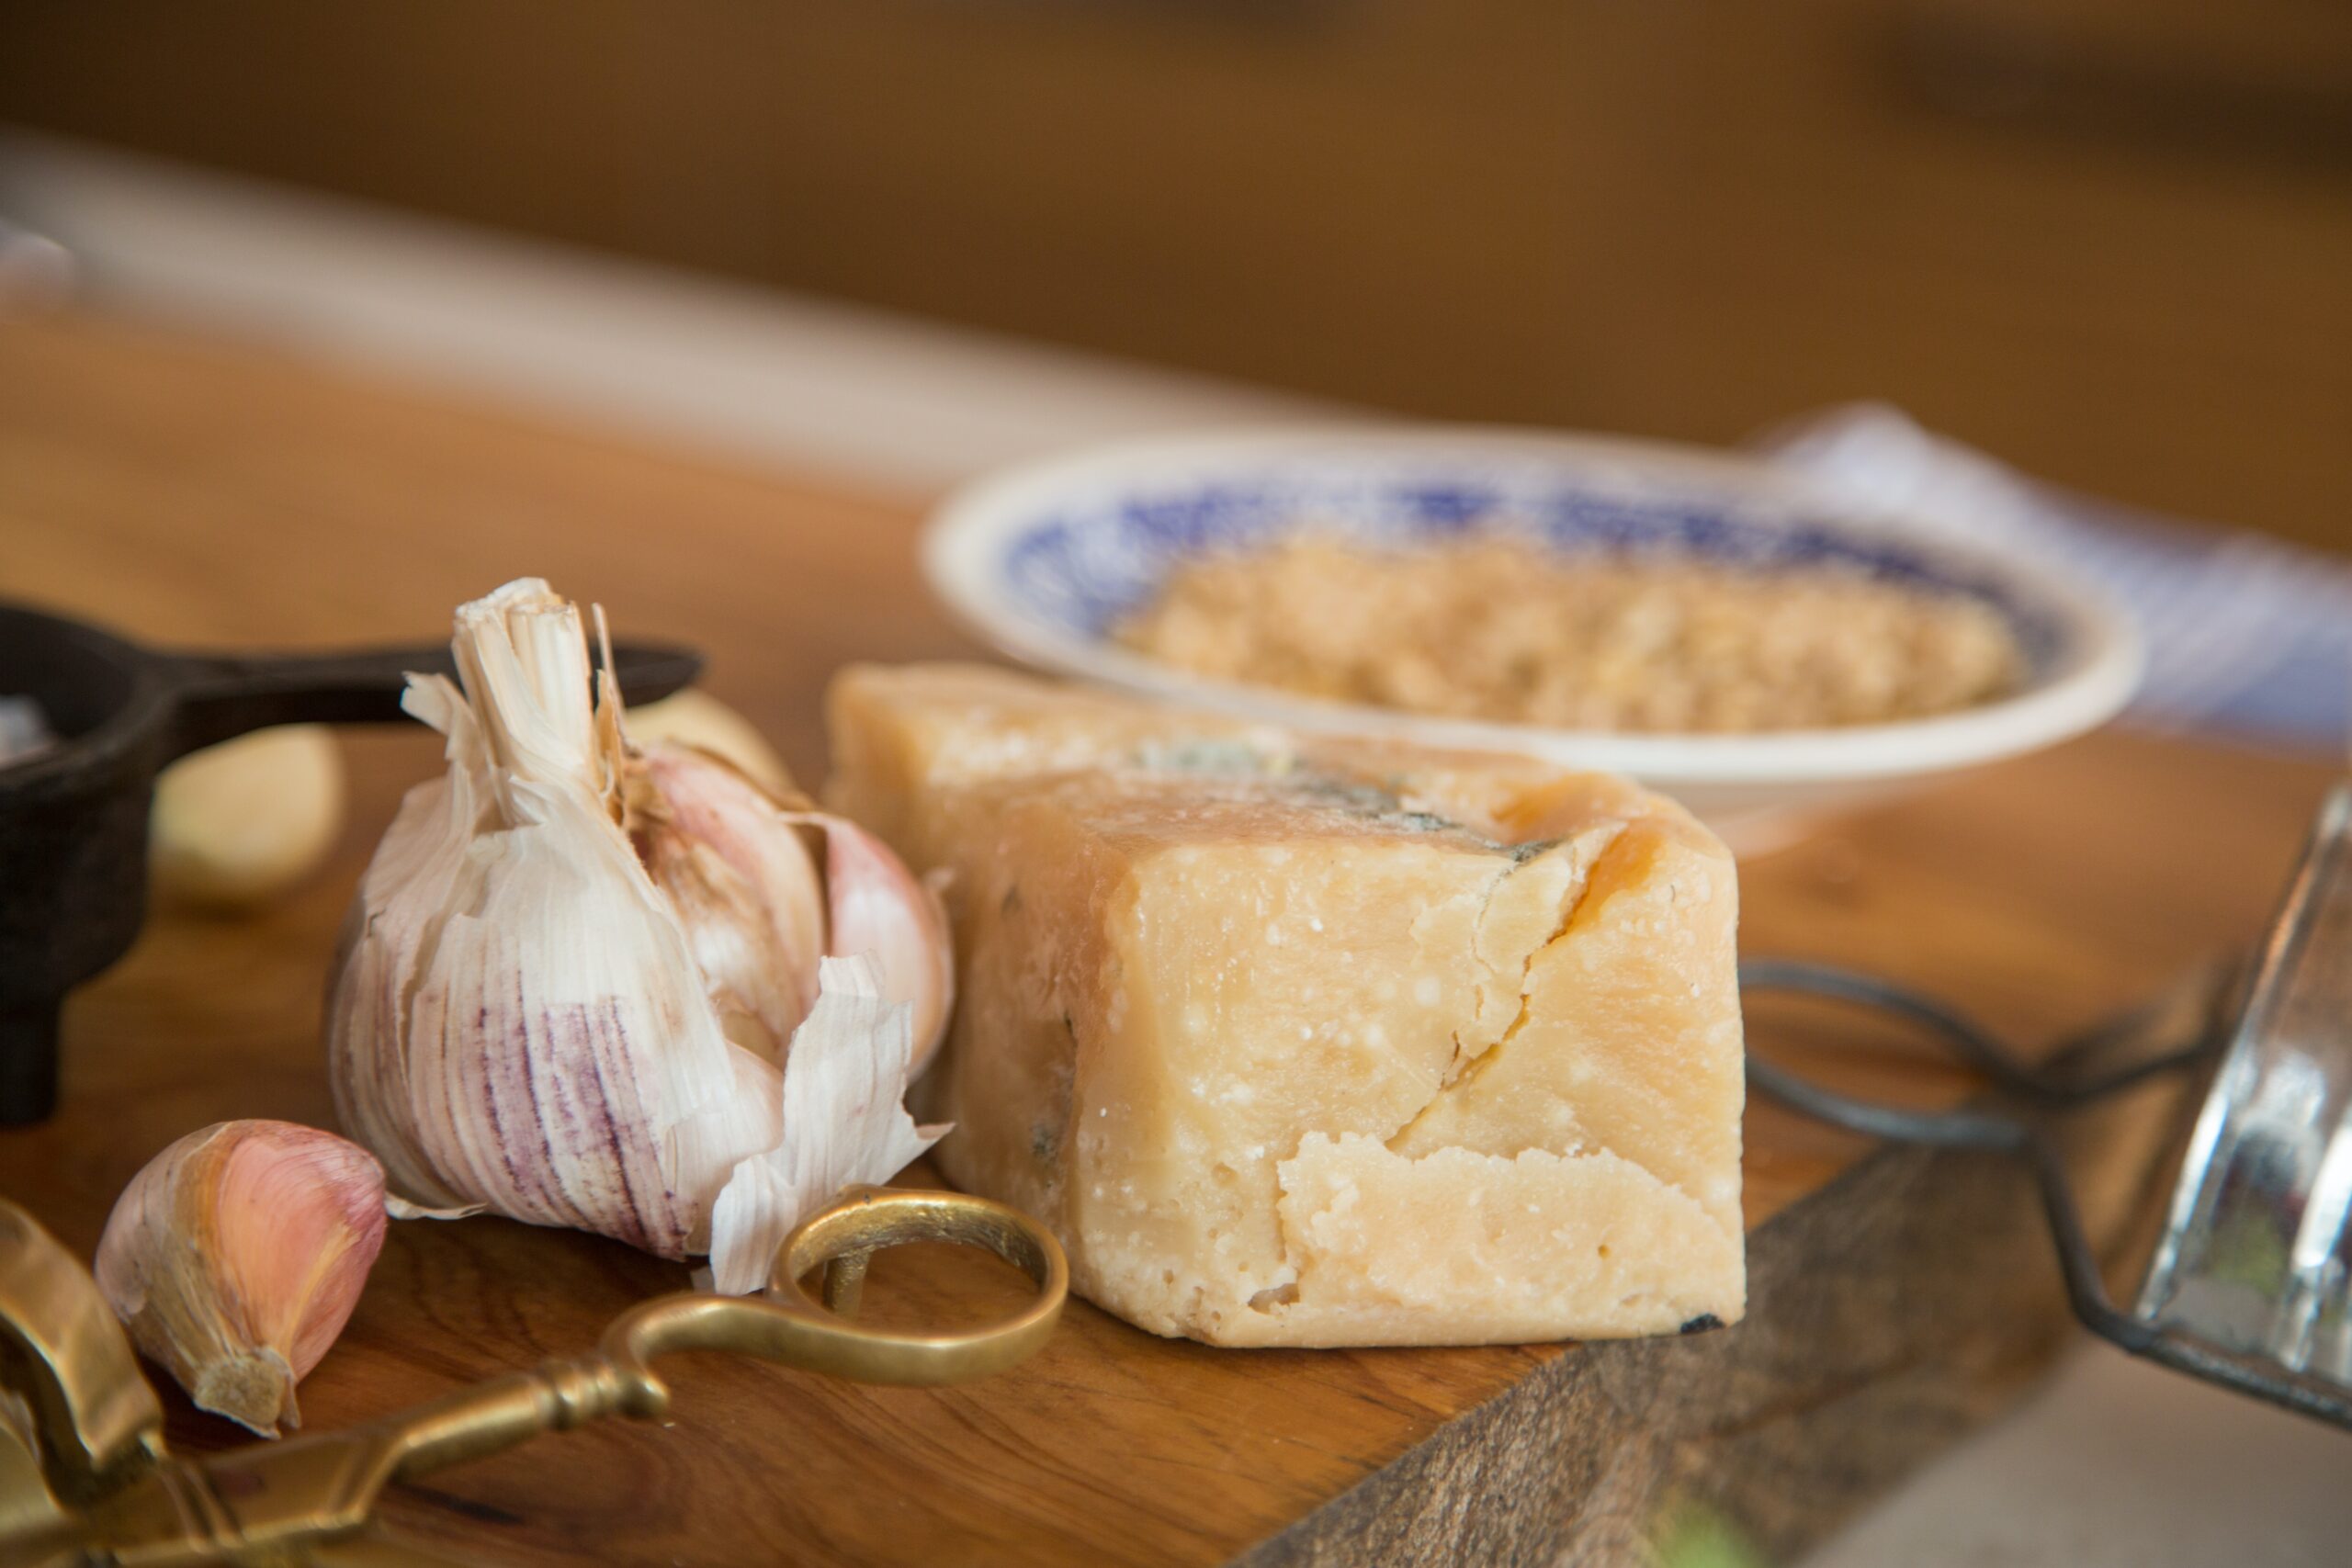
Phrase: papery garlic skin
(844, 1087)
(235, 1257)
(569, 980)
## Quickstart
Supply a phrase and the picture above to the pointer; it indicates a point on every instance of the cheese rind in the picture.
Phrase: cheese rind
(1319, 1043)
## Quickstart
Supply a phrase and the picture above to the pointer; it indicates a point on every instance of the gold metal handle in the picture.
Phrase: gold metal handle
(788, 1325)
(62, 1351)
(269, 1500)
(843, 1240)
(278, 1501)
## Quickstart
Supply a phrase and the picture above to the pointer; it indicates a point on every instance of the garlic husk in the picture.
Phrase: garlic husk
(235, 1257)
(571, 979)
(844, 1084)
(239, 824)
(695, 718)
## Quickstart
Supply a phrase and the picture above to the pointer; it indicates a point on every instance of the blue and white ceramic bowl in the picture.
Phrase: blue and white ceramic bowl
(1045, 559)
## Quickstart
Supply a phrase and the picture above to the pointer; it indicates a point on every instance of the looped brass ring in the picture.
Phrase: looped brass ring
(101, 1486)
(843, 1239)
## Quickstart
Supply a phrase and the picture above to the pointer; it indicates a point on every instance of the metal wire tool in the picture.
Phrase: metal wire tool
(2250, 1285)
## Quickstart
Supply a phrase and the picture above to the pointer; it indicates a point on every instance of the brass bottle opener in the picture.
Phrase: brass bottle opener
(86, 1479)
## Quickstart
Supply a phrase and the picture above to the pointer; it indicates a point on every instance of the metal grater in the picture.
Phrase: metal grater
(2250, 1285)
(2255, 1255)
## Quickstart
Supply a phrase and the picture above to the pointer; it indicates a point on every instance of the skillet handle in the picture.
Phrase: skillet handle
(225, 696)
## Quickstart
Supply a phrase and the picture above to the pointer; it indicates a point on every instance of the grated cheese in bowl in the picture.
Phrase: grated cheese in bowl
(1500, 629)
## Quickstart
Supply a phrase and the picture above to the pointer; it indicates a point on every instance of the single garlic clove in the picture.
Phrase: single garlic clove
(236, 825)
(235, 1257)
(743, 884)
(695, 718)
(880, 909)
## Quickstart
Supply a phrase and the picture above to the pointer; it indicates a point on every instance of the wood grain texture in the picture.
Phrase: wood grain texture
(197, 493)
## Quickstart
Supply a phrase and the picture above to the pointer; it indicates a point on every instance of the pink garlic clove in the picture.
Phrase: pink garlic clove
(235, 1257)
(734, 864)
(745, 886)
(695, 718)
(881, 910)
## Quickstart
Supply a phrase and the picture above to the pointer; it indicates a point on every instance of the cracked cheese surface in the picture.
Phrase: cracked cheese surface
(1310, 1042)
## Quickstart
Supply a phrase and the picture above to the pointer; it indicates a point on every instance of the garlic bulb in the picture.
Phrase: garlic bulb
(235, 825)
(234, 1258)
(583, 984)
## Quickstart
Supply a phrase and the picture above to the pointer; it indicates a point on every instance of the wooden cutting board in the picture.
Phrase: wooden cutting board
(197, 493)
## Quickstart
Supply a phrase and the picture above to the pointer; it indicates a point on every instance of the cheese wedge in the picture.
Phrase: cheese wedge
(1312, 1041)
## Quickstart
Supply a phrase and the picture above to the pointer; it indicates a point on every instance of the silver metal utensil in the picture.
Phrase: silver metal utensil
(2255, 1255)
(2250, 1284)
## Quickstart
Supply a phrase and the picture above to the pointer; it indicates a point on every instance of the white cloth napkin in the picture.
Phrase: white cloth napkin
(2243, 633)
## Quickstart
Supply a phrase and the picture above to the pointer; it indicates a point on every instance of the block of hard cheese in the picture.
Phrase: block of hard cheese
(1312, 1042)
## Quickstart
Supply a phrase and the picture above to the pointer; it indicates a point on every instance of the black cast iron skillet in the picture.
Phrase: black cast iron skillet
(74, 818)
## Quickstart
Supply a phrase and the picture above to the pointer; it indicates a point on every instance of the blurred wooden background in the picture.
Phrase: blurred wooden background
(2109, 240)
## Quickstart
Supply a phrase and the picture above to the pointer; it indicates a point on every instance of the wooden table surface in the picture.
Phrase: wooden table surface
(197, 493)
